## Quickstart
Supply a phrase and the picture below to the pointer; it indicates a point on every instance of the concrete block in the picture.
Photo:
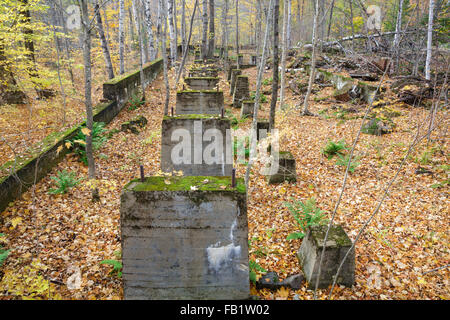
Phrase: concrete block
(338, 243)
(180, 243)
(199, 102)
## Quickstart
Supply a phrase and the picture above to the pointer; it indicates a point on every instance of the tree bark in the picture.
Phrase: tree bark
(205, 29)
(284, 52)
(183, 25)
(237, 33)
(104, 43)
(211, 34)
(121, 36)
(275, 58)
(173, 45)
(429, 41)
(152, 51)
(313, 61)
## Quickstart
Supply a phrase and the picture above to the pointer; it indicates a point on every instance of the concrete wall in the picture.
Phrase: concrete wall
(241, 91)
(201, 83)
(199, 102)
(123, 87)
(184, 244)
(195, 128)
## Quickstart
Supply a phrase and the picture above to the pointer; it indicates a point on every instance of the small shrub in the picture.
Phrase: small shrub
(135, 102)
(64, 181)
(117, 267)
(3, 252)
(343, 161)
(98, 139)
(334, 148)
(262, 97)
(254, 267)
(306, 215)
(267, 81)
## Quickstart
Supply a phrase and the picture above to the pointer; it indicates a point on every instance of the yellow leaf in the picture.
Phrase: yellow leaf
(15, 222)
(68, 145)
(86, 131)
(59, 150)
(167, 181)
(80, 142)
(283, 293)
(421, 281)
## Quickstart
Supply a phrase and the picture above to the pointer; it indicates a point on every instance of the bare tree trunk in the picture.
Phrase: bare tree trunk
(141, 55)
(257, 95)
(225, 31)
(175, 23)
(187, 44)
(88, 92)
(104, 43)
(211, 35)
(121, 36)
(284, 52)
(275, 58)
(258, 27)
(152, 51)
(429, 41)
(205, 29)
(289, 25)
(312, 72)
(353, 27)
(173, 44)
(331, 20)
(183, 25)
(162, 35)
(237, 32)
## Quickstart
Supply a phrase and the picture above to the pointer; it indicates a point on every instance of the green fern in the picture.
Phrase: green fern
(64, 181)
(117, 267)
(334, 148)
(306, 215)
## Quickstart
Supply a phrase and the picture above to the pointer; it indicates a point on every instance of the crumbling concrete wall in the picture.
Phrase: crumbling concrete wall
(199, 102)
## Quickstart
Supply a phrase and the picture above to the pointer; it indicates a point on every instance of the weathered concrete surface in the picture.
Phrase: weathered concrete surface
(183, 244)
(199, 102)
(202, 83)
(203, 72)
(247, 108)
(338, 243)
(208, 149)
(262, 127)
(123, 87)
(286, 169)
(241, 91)
(234, 74)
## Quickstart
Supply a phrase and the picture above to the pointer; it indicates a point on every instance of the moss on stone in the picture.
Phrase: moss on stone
(192, 91)
(121, 77)
(202, 78)
(175, 183)
(192, 116)
(336, 234)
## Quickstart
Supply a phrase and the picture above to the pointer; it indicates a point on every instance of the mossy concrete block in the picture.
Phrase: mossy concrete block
(247, 109)
(338, 243)
(184, 243)
(123, 87)
(203, 72)
(234, 74)
(202, 83)
(198, 145)
(241, 91)
(262, 127)
(131, 125)
(286, 169)
(199, 102)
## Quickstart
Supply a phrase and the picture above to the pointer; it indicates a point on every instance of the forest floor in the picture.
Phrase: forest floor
(58, 241)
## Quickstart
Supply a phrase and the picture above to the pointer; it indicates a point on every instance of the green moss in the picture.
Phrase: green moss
(285, 154)
(202, 78)
(185, 183)
(121, 77)
(205, 91)
(336, 234)
(242, 76)
(192, 116)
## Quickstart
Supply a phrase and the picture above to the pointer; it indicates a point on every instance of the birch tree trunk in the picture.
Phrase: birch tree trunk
(104, 43)
(88, 92)
(152, 51)
(187, 44)
(237, 33)
(289, 25)
(429, 41)
(162, 27)
(398, 25)
(121, 36)
(141, 56)
(257, 96)
(225, 31)
(211, 34)
(331, 20)
(173, 45)
(284, 52)
(205, 28)
(312, 72)
(258, 27)
(276, 36)
(353, 27)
